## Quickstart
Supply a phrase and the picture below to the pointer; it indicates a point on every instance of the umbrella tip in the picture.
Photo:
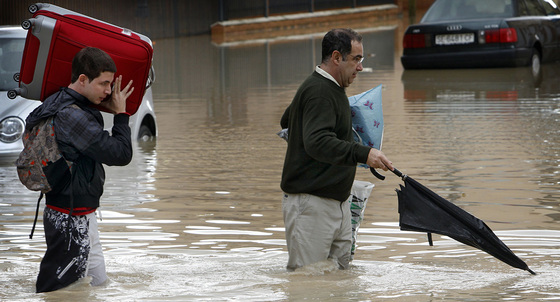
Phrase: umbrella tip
(531, 271)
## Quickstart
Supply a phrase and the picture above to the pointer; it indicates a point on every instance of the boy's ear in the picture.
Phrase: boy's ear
(83, 78)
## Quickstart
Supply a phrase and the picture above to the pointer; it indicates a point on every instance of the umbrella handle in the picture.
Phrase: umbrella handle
(376, 174)
(382, 177)
(399, 173)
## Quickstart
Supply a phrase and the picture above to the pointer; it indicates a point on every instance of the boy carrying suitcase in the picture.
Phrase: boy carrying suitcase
(73, 246)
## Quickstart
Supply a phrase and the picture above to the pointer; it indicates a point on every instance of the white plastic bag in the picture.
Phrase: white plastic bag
(360, 194)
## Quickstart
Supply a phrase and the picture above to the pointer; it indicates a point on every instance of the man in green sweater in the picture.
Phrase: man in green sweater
(321, 158)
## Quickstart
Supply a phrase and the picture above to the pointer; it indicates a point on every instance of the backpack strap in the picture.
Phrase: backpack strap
(71, 196)
(36, 214)
(68, 227)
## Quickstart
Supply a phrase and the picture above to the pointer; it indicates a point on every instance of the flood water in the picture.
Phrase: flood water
(197, 215)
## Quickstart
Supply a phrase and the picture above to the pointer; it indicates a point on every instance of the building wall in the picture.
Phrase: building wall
(156, 19)
(173, 18)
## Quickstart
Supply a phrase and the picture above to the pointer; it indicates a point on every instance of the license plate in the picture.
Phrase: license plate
(453, 39)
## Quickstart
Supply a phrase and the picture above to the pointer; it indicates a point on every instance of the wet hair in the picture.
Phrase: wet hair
(339, 39)
(92, 62)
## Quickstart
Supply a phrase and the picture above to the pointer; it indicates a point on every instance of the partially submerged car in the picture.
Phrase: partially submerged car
(13, 112)
(484, 33)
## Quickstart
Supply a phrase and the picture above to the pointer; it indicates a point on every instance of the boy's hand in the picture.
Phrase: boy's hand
(117, 103)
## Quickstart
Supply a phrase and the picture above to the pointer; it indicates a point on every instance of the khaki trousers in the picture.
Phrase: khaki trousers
(317, 229)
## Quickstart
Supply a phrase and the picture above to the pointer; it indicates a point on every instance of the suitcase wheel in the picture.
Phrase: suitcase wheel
(16, 76)
(13, 93)
(33, 8)
(26, 24)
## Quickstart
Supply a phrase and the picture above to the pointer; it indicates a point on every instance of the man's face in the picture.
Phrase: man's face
(99, 88)
(350, 67)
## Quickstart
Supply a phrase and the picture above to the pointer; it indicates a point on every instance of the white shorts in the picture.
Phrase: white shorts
(96, 261)
(73, 251)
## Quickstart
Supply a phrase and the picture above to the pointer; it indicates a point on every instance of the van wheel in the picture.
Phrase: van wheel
(145, 134)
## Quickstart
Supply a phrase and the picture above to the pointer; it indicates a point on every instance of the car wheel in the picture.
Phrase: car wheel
(535, 63)
(145, 134)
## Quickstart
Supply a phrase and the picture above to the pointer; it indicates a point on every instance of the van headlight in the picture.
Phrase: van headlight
(11, 129)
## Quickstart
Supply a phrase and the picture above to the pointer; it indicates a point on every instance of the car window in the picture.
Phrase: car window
(550, 7)
(448, 10)
(533, 8)
(11, 51)
(522, 8)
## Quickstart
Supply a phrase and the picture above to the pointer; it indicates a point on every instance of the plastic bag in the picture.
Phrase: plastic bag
(360, 194)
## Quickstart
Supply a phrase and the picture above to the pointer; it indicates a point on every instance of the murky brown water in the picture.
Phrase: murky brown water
(197, 215)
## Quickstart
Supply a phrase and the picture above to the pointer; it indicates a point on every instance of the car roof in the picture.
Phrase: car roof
(453, 10)
(12, 31)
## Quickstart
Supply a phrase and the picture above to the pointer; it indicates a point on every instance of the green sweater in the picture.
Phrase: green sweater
(322, 156)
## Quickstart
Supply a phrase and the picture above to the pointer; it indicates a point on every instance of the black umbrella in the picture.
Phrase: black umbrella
(422, 210)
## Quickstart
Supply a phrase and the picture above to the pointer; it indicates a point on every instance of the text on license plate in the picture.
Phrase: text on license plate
(455, 39)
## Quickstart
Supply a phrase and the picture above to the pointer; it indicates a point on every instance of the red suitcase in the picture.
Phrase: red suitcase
(57, 34)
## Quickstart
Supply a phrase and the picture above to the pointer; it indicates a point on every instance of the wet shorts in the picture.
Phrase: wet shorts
(72, 252)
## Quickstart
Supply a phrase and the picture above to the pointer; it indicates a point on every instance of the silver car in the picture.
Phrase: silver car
(13, 112)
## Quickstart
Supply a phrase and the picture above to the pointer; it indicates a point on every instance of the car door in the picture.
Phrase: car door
(544, 30)
(553, 13)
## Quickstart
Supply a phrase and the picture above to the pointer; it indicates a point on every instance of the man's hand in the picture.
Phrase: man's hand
(117, 103)
(376, 159)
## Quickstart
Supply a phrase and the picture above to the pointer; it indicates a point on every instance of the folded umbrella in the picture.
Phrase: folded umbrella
(367, 117)
(422, 210)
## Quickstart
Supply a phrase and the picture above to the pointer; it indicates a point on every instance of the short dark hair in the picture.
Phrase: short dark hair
(92, 62)
(339, 39)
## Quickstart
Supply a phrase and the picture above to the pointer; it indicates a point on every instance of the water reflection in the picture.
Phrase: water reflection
(498, 84)
(196, 216)
(506, 116)
(224, 74)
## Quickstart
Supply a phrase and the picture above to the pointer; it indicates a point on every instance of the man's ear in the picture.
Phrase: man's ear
(336, 57)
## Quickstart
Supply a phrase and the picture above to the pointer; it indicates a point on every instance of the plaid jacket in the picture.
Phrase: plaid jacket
(82, 140)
